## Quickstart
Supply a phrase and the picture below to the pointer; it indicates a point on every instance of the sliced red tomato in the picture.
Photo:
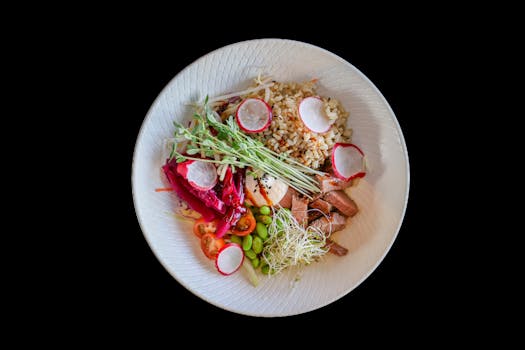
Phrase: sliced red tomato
(201, 227)
(211, 245)
(245, 225)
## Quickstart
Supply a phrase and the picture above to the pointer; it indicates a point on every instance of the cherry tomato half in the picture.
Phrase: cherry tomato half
(201, 227)
(211, 245)
(245, 225)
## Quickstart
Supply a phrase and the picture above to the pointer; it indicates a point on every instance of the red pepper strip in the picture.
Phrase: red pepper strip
(164, 189)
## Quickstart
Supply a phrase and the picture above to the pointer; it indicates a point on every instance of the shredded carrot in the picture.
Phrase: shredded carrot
(164, 189)
(314, 80)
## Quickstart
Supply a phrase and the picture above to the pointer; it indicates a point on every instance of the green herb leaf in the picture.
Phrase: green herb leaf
(235, 148)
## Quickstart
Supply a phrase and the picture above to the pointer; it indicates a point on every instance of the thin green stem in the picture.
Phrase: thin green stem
(240, 150)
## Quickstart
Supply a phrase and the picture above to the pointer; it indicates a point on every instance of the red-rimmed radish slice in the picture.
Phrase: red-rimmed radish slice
(201, 175)
(311, 111)
(229, 259)
(253, 115)
(348, 161)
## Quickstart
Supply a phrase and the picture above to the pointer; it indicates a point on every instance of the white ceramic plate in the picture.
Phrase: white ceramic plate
(382, 195)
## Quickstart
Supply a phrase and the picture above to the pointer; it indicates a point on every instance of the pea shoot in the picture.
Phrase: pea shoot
(225, 143)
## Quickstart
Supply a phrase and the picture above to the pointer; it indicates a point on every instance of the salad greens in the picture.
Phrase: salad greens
(290, 244)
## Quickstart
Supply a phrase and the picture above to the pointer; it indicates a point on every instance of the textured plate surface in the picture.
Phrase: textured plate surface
(382, 195)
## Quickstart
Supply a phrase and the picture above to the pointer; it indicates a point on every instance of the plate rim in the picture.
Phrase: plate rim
(402, 142)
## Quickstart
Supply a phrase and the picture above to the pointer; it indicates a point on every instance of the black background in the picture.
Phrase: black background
(86, 77)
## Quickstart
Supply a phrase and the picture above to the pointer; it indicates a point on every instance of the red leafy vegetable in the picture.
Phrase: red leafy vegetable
(177, 183)
(226, 200)
(233, 197)
(230, 219)
(209, 197)
(233, 190)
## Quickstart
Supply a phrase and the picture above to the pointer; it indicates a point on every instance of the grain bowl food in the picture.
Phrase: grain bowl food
(287, 133)
(265, 172)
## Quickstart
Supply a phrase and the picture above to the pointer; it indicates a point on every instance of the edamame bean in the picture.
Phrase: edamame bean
(257, 244)
(265, 210)
(265, 269)
(236, 239)
(255, 262)
(250, 254)
(247, 242)
(261, 230)
(265, 219)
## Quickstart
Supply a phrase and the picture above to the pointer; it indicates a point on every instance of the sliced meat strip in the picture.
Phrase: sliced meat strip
(286, 202)
(335, 222)
(300, 209)
(314, 214)
(335, 248)
(330, 183)
(316, 196)
(322, 205)
(342, 202)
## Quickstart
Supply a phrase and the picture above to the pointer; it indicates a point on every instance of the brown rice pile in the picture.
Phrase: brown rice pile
(287, 133)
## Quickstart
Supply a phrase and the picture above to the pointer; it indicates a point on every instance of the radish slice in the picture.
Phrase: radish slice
(253, 115)
(229, 259)
(311, 111)
(348, 161)
(201, 175)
